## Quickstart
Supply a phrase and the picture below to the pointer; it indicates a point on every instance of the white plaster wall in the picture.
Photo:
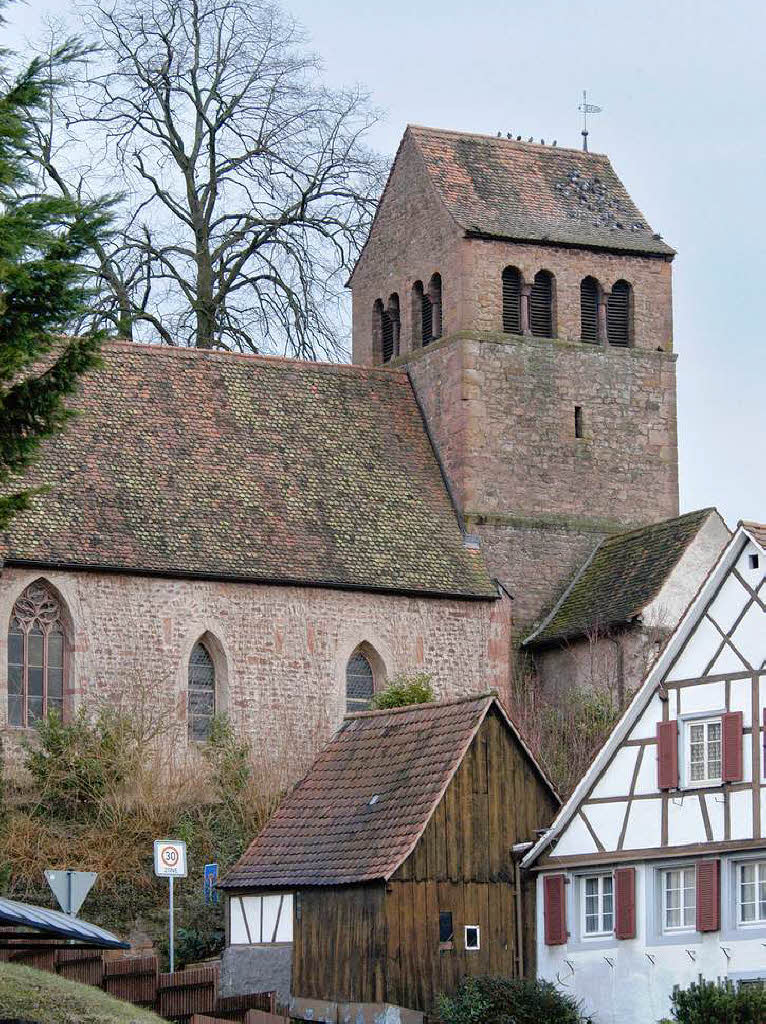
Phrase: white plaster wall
(630, 982)
(692, 570)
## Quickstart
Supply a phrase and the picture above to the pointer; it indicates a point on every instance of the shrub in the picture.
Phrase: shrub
(711, 1002)
(491, 1000)
(404, 690)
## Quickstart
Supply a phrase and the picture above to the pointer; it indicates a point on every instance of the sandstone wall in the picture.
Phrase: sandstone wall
(280, 652)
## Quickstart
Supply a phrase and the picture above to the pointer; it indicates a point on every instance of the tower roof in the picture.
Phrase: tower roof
(520, 191)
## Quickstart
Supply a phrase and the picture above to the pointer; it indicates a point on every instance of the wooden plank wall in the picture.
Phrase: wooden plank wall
(339, 944)
(463, 864)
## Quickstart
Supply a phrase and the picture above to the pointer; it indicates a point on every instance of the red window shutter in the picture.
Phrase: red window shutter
(708, 895)
(625, 903)
(731, 736)
(554, 889)
(667, 755)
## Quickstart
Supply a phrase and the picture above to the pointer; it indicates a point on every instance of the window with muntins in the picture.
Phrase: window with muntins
(201, 693)
(679, 899)
(751, 893)
(360, 683)
(598, 905)
(703, 751)
(36, 649)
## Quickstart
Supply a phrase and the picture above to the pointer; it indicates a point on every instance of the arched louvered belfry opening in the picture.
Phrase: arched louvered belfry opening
(541, 305)
(589, 291)
(618, 314)
(421, 316)
(201, 692)
(377, 332)
(435, 302)
(511, 301)
(360, 682)
(391, 328)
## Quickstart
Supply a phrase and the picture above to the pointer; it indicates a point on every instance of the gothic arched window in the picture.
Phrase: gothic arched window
(36, 651)
(511, 301)
(360, 683)
(391, 329)
(618, 315)
(541, 305)
(589, 309)
(201, 692)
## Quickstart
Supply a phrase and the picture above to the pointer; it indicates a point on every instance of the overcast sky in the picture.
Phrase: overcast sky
(682, 84)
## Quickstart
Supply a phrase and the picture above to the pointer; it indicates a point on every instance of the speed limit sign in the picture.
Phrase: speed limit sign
(170, 858)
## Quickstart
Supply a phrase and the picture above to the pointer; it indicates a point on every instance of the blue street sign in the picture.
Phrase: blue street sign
(211, 877)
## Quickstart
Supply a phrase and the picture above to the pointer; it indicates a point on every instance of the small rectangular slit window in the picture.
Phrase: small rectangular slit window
(472, 937)
(446, 932)
(754, 561)
(578, 421)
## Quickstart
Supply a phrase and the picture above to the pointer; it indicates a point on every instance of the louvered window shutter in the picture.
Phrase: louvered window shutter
(511, 301)
(708, 896)
(588, 310)
(667, 755)
(618, 315)
(554, 891)
(541, 305)
(731, 735)
(625, 903)
(387, 325)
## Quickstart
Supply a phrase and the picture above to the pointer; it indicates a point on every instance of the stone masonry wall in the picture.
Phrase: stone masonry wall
(280, 652)
(483, 264)
(413, 237)
(502, 413)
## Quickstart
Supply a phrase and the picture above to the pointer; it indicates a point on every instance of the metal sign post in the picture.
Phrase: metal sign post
(170, 863)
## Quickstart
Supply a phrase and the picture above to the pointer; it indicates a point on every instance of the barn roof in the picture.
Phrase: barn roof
(622, 576)
(523, 191)
(201, 463)
(365, 802)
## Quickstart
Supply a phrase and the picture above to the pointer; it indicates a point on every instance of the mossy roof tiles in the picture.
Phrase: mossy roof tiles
(524, 191)
(206, 463)
(622, 576)
(366, 800)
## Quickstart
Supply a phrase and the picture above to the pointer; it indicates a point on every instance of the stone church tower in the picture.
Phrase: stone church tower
(531, 303)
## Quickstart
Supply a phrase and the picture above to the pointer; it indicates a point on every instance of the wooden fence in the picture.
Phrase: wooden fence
(178, 997)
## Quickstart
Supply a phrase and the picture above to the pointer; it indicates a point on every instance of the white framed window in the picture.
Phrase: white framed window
(260, 919)
(703, 752)
(597, 905)
(751, 893)
(472, 937)
(679, 899)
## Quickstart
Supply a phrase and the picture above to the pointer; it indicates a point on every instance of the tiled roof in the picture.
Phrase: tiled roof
(246, 467)
(366, 800)
(622, 576)
(525, 191)
(757, 530)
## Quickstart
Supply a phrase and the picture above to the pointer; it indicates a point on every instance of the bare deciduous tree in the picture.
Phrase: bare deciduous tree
(248, 188)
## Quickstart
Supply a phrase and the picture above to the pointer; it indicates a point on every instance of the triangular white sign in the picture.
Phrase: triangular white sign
(70, 888)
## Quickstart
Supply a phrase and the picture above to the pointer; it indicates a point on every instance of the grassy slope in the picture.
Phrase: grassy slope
(39, 996)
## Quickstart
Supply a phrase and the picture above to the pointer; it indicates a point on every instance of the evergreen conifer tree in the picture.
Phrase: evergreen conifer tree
(43, 241)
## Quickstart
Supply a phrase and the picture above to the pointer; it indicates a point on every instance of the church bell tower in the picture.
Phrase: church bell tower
(531, 304)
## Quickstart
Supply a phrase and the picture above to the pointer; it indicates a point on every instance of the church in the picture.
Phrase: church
(274, 539)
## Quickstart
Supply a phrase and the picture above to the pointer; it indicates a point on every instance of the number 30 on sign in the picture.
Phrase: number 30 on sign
(170, 858)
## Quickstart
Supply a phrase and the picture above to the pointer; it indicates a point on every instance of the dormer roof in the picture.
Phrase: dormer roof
(529, 192)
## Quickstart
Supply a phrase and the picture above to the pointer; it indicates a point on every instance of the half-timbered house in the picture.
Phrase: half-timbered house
(654, 872)
(388, 873)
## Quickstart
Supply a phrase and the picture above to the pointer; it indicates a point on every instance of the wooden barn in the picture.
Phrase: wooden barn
(388, 873)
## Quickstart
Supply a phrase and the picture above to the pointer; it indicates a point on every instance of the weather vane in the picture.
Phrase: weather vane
(586, 108)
